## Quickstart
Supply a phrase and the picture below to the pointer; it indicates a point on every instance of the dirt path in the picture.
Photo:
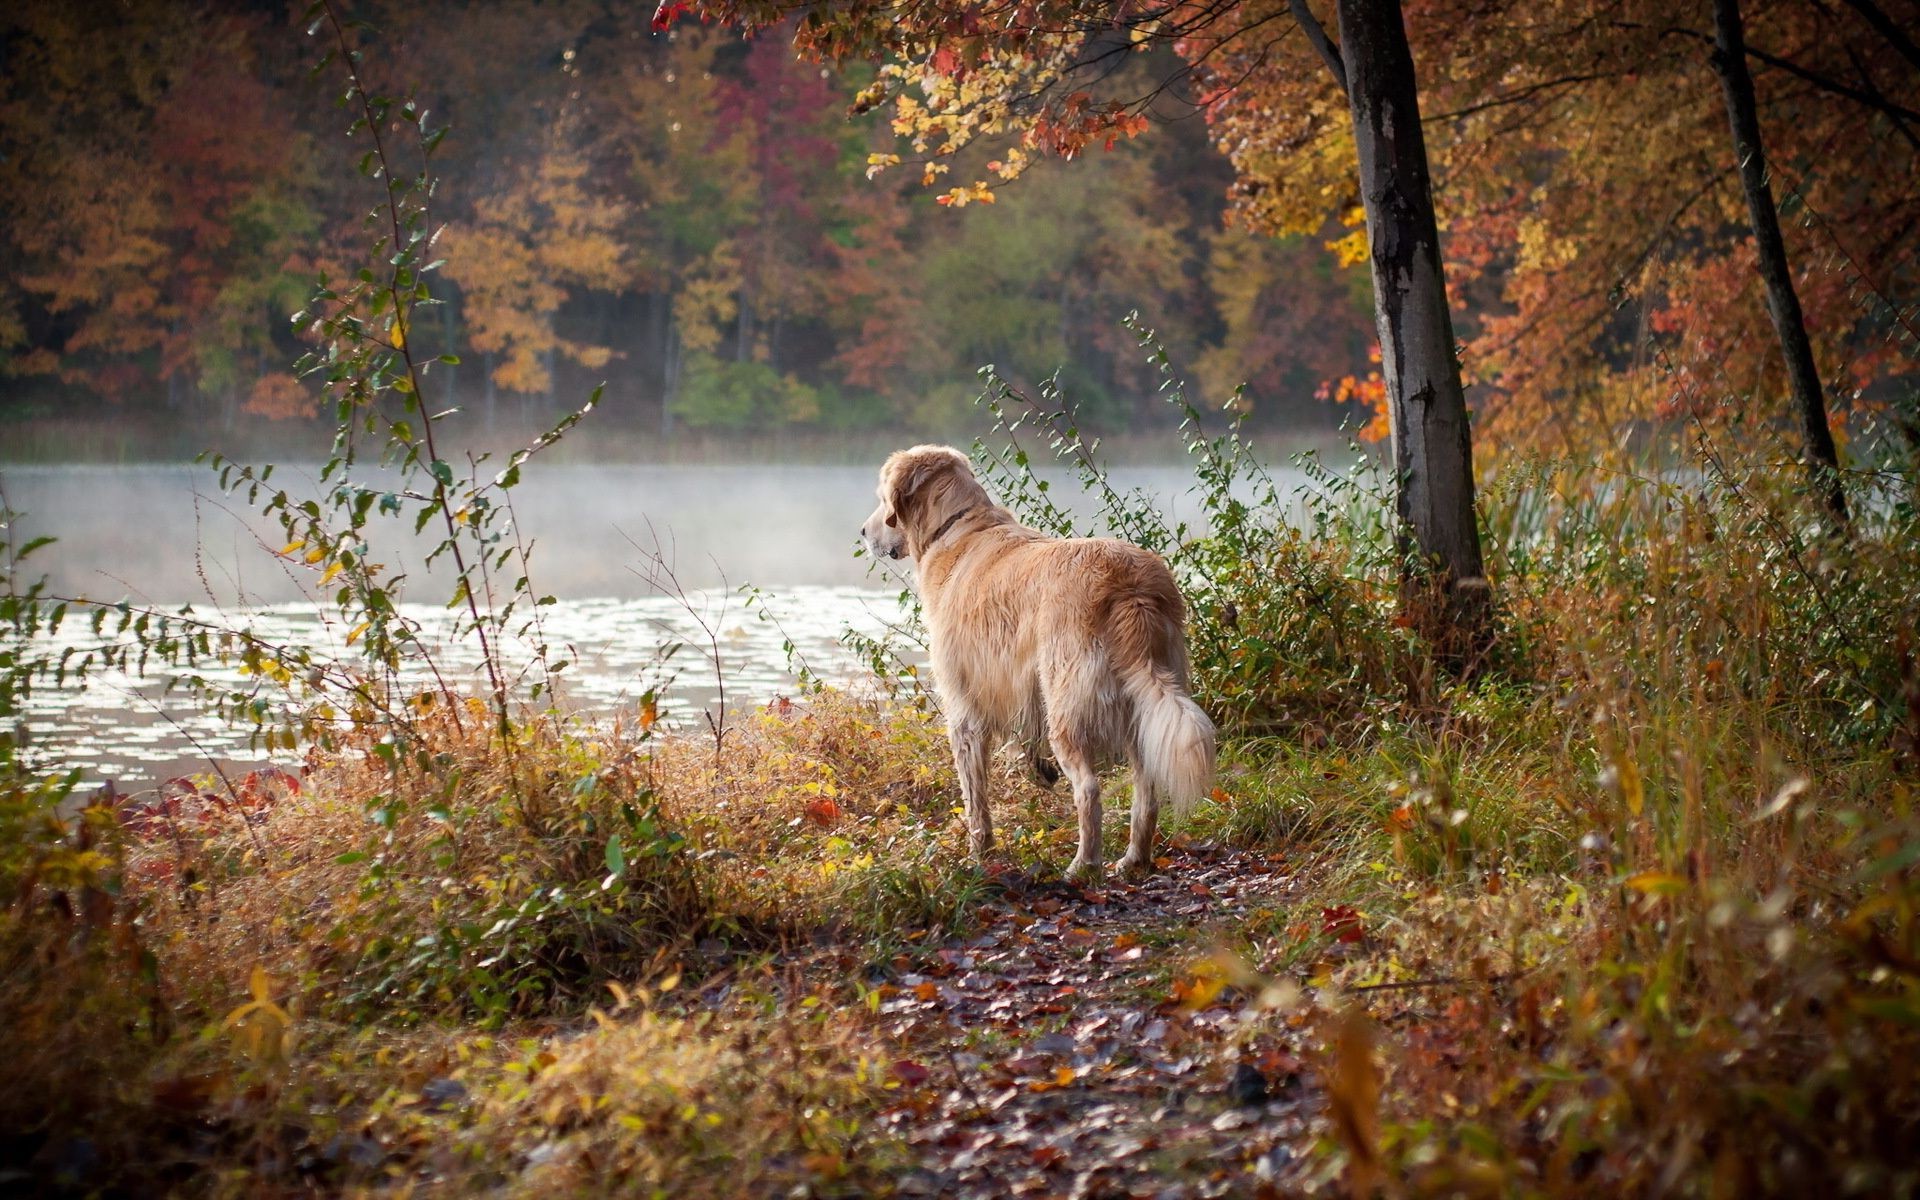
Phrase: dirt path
(1067, 1050)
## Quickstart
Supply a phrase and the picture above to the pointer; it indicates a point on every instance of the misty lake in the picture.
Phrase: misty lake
(166, 536)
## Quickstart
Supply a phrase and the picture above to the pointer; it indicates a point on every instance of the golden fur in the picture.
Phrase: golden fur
(1076, 644)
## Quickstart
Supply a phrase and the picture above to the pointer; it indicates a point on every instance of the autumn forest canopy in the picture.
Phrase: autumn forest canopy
(736, 238)
(686, 217)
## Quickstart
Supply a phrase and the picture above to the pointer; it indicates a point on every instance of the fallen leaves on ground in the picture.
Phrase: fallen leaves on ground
(1064, 1048)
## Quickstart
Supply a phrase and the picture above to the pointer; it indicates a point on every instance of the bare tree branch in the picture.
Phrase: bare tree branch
(1317, 35)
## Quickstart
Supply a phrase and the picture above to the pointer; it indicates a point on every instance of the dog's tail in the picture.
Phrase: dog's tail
(1174, 740)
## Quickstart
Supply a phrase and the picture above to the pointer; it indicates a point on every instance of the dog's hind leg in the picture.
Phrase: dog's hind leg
(1032, 728)
(1040, 768)
(968, 736)
(1086, 866)
(1138, 859)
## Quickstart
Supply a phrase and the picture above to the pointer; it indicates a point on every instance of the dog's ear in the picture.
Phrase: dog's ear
(910, 483)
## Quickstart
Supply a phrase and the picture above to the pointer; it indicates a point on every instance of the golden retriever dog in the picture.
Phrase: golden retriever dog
(1076, 644)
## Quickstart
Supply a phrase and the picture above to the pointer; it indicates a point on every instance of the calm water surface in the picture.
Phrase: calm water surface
(164, 535)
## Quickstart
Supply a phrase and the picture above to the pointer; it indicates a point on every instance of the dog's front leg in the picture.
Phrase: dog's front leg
(969, 740)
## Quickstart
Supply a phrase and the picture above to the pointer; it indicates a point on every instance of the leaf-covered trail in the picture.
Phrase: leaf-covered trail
(1069, 1046)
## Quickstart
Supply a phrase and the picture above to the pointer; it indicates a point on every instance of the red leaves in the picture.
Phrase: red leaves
(665, 15)
(823, 811)
(1342, 924)
(909, 1073)
(182, 800)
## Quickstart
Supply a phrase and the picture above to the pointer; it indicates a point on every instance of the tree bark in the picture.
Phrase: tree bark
(1783, 303)
(449, 338)
(490, 392)
(1445, 589)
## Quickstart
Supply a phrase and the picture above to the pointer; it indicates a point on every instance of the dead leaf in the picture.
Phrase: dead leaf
(1353, 1098)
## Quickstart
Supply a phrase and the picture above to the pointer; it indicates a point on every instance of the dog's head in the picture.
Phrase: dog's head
(920, 491)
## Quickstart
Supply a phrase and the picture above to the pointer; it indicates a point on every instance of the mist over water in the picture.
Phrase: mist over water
(165, 536)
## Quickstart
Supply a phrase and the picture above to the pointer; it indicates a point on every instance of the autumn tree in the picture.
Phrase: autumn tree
(1593, 215)
(150, 235)
(1783, 302)
(957, 73)
(1432, 445)
(517, 258)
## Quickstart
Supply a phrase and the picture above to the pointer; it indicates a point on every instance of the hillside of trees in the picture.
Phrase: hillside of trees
(694, 216)
(685, 216)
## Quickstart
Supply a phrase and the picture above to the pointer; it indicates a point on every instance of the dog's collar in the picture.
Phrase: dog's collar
(944, 526)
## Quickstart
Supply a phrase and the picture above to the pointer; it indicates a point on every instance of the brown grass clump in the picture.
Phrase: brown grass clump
(727, 1102)
(843, 814)
(315, 929)
(80, 1013)
(441, 873)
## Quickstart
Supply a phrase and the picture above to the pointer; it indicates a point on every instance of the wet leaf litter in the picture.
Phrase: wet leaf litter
(1076, 1043)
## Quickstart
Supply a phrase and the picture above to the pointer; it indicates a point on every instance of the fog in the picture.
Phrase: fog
(166, 535)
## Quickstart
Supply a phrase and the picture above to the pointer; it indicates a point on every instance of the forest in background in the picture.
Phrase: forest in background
(686, 217)
(700, 220)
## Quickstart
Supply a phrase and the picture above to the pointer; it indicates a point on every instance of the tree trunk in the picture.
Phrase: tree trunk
(1444, 590)
(449, 338)
(669, 380)
(1783, 304)
(490, 392)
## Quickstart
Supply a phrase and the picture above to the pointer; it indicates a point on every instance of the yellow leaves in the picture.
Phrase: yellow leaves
(65, 867)
(259, 1028)
(524, 252)
(1011, 164)
(1202, 985)
(1623, 779)
(960, 197)
(1541, 250)
(877, 163)
(708, 299)
(1351, 248)
(1655, 883)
